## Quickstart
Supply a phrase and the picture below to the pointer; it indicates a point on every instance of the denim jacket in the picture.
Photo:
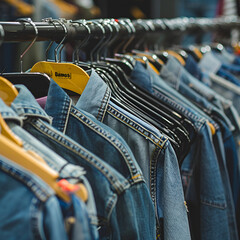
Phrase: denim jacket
(74, 174)
(29, 208)
(111, 190)
(152, 151)
(106, 144)
(202, 176)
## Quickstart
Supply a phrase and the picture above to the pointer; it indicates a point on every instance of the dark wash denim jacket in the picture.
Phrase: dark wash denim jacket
(106, 144)
(206, 192)
(152, 151)
(29, 209)
(111, 190)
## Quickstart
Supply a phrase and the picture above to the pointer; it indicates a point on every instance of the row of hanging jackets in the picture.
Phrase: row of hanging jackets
(141, 146)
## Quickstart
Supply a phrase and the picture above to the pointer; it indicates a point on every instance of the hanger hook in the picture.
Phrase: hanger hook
(60, 21)
(2, 34)
(100, 42)
(28, 20)
(107, 23)
(49, 20)
(84, 41)
(53, 21)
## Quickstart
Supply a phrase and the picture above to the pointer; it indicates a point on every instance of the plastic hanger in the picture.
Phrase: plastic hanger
(67, 75)
(8, 92)
(177, 56)
(154, 63)
(11, 148)
(67, 9)
(129, 96)
(23, 8)
(15, 153)
(37, 83)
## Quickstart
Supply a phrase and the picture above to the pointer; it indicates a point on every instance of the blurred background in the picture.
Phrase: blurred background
(11, 10)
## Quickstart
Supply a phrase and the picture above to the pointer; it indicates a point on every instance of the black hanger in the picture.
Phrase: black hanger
(138, 112)
(181, 132)
(37, 83)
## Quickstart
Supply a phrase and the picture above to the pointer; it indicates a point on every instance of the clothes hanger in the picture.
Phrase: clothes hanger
(67, 75)
(65, 7)
(37, 83)
(115, 44)
(153, 61)
(157, 101)
(23, 8)
(12, 148)
(152, 118)
(15, 153)
(116, 89)
(8, 92)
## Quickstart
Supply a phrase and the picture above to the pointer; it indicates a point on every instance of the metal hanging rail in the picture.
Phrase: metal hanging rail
(52, 30)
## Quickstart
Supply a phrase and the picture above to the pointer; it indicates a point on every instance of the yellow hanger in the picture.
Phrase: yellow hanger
(148, 57)
(197, 52)
(24, 9)
(11, 148)
(8, 92)
(66, 75)
(18, 155)
(177, 56)
(65, 7)
(33, 163)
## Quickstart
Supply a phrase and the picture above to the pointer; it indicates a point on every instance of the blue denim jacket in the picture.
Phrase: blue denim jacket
(29, 208)
(109, 146)
(74, 174)
(185, 77)
(175, 67)
(202, 175)
(230, 151)
(192, 67)
(113, 198)
(152, 151)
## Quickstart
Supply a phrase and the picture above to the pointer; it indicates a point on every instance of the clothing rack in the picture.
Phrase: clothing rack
(96, 29)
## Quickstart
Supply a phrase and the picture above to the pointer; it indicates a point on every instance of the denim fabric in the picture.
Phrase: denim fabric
(158, 84)
(232, 68)
(212, 63)
(202, 179)
(198, 100)
(74, 174)
(77, 220)
(113, 199)
(185, 77)
(225, 89)
(106, 144)
(152, 151)
(229, 144)
(220, 151)
(192, 67)
(29, 208)
(236, 60)
(231, 160)
(224, 56)
(228, 76)
(175, 67)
